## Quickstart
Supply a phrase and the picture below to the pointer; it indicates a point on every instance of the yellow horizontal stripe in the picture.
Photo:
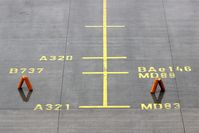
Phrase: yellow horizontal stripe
(95, 73)
(121, 57)
(100, 26)
(106, 107)
(100, 58)
(92, 58)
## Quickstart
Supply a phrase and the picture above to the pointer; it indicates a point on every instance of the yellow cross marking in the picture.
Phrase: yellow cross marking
(105, 58)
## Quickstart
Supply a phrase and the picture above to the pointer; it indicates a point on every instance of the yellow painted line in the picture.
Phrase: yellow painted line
(106, 107)
(116, 26)
(105, 58)
(117, 72)
(105, 73)
(93, 26)
(105, 54)
(92, 73)
(119, 57)
(100, 26)
(99, 58)
(92, 58)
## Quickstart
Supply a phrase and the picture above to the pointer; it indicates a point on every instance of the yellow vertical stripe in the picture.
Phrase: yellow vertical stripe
(105, 54)
(105, 72)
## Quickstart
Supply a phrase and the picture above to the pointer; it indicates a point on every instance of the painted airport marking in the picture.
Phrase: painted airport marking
(159, 106)
(161, 72)
(51, 107)
(104, 73)
(105, 59)
(164, 69)
(101, 58)
(106, 107)
(100, 26)
(56, 58)
(142, 106)
(15, 70)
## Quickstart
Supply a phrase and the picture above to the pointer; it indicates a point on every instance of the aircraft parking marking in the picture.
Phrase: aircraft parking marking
(105, 59)
(23, 70)
(161, 72)
(56, 58)
(104, 107)
(105, 73)
(101, 58)
(51, 107)
(159, 106)
(100, 26)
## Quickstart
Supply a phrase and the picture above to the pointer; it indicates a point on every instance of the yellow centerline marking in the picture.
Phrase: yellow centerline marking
(105, 58)
(100, 58)
(105, 73)
(100, 26)
(105, 54)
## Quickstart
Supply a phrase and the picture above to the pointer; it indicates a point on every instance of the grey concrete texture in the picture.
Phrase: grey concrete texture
(21, 121)
(158, 33)
(126, 121)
